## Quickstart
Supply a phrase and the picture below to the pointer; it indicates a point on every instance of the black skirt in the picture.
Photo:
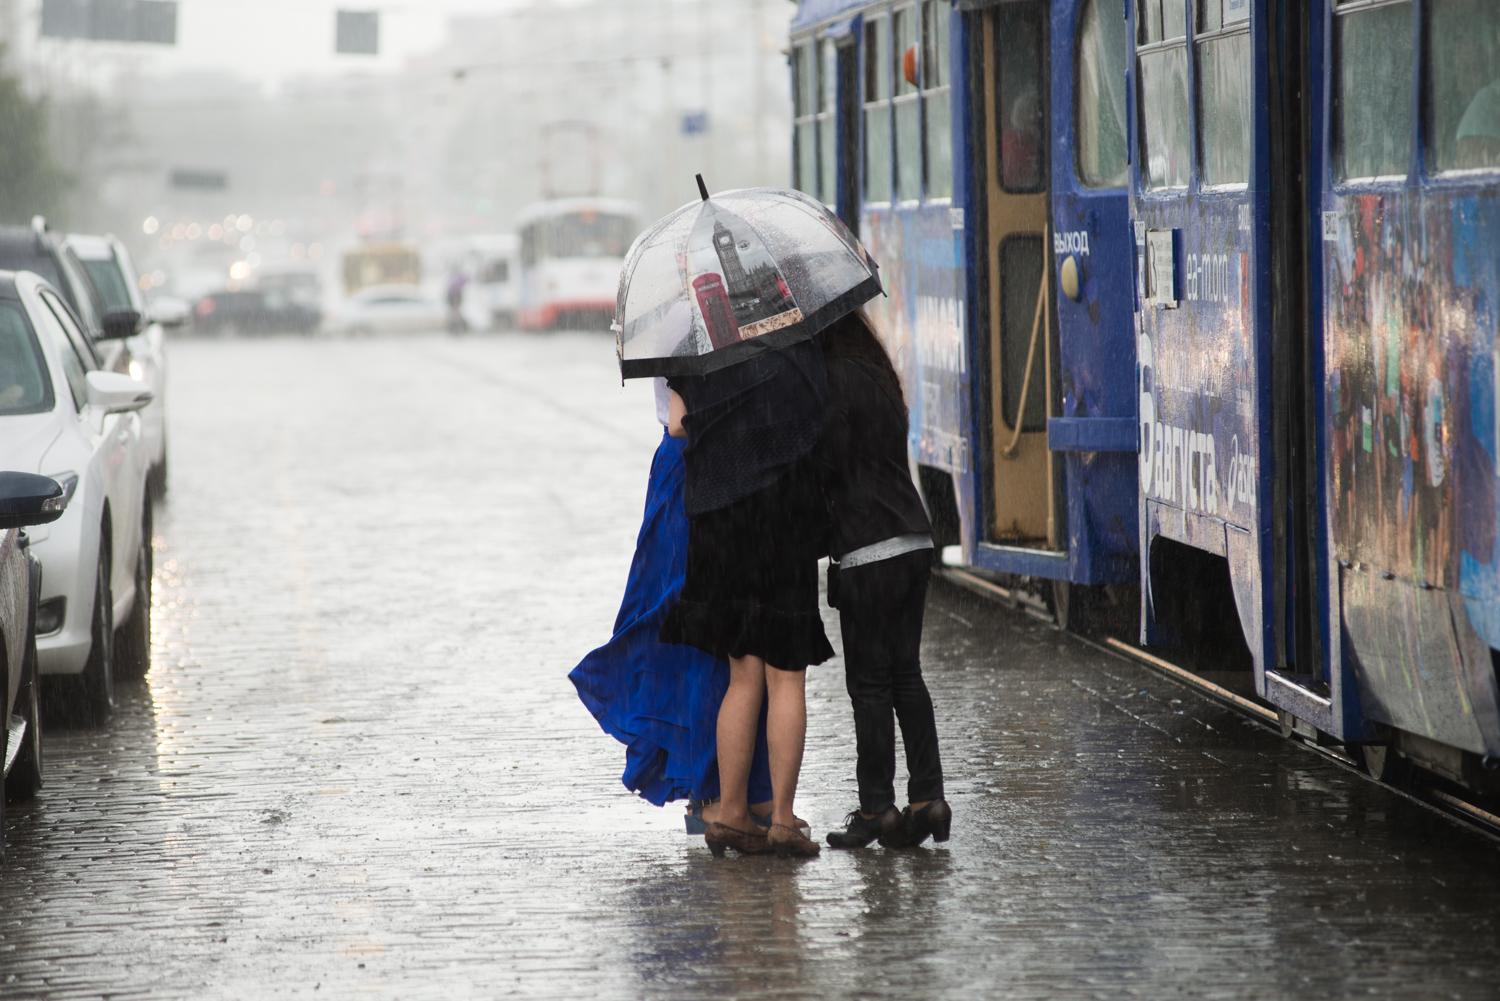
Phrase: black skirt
(752, 576)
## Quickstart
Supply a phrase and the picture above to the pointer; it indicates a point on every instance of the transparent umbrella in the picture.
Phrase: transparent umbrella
(731, 274)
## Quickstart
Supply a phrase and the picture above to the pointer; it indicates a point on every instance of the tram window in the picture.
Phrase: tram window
(878, 110)
(1099, 109)
(1373, 89)
(1148, 21)
(805, 106)
(828, 87)
(1216, 14)
(1224, 108)
(1173, 18)
(528, 247)
(1160, 20)
(1463, 84)
(935, 32)
(904, 28)
(1020, 88)
(936, 100)
(1164, 117)
(1021, 263)
(806, 80)
(907, 113)
(877, 59)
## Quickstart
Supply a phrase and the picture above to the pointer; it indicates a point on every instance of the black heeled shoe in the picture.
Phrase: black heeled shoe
(860, 830)
(934, 820)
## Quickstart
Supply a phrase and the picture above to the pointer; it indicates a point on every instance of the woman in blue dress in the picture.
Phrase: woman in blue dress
(662, 700)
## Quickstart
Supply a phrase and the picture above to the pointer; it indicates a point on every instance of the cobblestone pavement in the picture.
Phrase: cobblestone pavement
(358, 768)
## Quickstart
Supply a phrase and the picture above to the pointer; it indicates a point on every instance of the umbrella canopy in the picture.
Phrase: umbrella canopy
(742, 271)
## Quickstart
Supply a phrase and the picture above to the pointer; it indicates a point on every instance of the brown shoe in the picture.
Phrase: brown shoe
(720, 836)
(784, 840)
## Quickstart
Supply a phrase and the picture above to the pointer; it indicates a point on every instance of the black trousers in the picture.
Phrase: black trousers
(880, 615)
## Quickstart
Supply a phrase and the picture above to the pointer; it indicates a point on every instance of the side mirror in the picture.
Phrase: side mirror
(116, 393)
(27, 499)
(120, 324)
(167, 311)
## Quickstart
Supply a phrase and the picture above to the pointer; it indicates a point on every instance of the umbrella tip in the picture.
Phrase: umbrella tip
(702, 188)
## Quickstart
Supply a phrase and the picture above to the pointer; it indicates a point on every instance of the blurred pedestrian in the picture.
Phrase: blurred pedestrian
(756, 528)
(882, 540)
(458, 281)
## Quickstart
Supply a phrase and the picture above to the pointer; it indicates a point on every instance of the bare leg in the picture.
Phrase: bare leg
(761, 809)
(786, 730)
(739, 718)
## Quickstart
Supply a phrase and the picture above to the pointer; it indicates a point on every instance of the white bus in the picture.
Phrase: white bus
(571, 253)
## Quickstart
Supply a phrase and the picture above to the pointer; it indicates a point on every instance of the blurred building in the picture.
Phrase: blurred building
(620, 99)
(537, 99)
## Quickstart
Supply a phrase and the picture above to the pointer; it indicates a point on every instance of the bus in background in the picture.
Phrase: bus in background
(370, 264)
(571, 253)
(492, 293)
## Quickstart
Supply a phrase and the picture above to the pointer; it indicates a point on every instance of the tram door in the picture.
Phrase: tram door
(1022, 349)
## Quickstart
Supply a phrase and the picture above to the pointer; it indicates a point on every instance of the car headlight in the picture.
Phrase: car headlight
(69, 484)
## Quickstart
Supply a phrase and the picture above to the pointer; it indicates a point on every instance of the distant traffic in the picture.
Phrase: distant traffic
(84, 447)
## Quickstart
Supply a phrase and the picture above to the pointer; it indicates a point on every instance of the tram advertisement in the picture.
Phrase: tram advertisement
(1412, 389)
(1197, 450)
(922, 321)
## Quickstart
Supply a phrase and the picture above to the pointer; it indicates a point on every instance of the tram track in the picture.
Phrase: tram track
(1427, 794)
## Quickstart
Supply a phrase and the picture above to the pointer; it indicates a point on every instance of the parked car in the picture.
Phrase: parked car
(26, 500)
(109, 267)
(37, 249)
(391, 309)
(233, 312)
(301, 284)
(63, 416)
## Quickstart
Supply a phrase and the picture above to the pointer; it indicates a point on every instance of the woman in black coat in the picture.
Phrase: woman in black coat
(881, 541)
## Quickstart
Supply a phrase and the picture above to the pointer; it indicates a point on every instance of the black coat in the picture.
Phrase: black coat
(862, 457)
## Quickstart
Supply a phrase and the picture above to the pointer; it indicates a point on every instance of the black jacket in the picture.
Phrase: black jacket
(863, 458)
(748, 423)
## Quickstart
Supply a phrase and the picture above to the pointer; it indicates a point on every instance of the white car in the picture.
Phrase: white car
(391, 309)
(62, 416)
(109, 267)
(26, 500)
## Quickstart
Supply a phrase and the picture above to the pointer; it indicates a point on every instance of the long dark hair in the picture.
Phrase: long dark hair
(852, 338)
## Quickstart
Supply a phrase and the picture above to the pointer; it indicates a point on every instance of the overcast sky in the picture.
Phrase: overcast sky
(273, 39)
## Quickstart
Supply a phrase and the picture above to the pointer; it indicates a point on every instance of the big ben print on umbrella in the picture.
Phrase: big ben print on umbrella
(738, 272)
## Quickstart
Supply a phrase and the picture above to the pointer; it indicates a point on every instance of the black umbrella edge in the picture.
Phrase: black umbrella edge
(805, 329)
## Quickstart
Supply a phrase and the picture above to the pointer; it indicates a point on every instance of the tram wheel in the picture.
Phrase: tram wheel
(1382, 763)
(1062, 607)
(1086, 610)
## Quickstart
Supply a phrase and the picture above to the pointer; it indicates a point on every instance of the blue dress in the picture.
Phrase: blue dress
(662, 700)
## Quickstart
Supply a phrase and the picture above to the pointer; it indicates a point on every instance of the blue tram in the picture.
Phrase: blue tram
(990, 181)
(1201, 295)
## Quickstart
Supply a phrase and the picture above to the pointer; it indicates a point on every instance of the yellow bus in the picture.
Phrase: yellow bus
(381, 264)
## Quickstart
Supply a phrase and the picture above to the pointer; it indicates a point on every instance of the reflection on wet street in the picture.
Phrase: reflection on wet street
(358, 765)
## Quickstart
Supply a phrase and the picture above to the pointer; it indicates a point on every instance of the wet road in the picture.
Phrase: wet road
(358, 767)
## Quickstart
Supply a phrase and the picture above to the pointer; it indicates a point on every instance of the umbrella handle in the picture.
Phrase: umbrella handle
(1036, 328)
